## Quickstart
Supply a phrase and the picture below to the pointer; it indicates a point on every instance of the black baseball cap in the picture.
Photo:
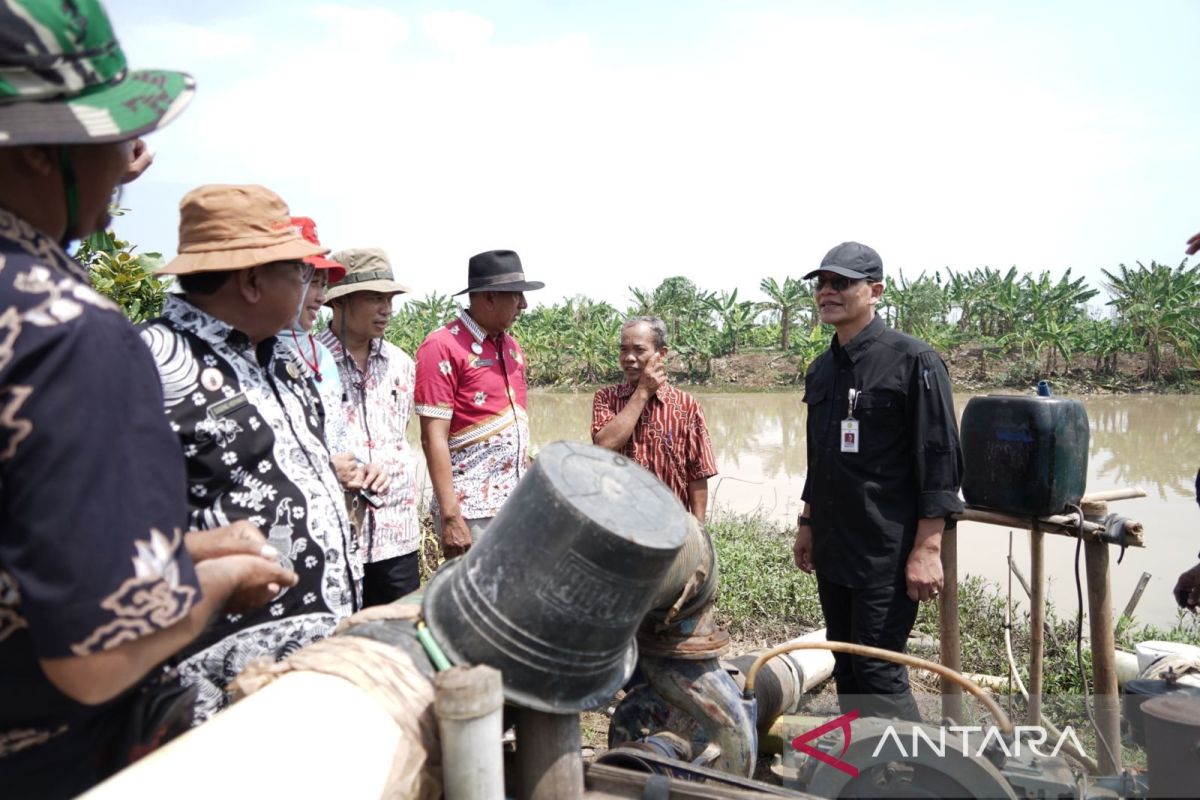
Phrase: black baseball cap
(853, 260)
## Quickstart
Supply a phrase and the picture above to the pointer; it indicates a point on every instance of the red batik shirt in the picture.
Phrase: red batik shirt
(478, 383)
(670, 438)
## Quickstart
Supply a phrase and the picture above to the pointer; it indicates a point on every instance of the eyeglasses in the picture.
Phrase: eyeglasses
(839, 283)
(303, 269)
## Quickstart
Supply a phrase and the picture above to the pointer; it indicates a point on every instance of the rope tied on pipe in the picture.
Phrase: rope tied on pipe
(389, 676)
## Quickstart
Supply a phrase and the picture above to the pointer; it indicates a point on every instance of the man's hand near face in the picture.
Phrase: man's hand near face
(654, 375)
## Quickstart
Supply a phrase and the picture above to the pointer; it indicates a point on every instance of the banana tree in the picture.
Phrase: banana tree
(1160, 304)
(736, 317)
(785, 301)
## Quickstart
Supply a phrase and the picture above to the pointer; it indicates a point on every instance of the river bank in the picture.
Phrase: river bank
(972, 370)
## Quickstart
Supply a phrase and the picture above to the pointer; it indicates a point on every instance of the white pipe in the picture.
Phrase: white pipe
(1069, 749)
(469, 703)
(306, 734)
(812, 667)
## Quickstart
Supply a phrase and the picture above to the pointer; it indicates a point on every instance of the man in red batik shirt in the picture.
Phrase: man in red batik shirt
(652, 422)
(470, 396)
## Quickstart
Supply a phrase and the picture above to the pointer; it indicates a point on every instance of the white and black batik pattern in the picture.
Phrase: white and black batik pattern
(251, 428)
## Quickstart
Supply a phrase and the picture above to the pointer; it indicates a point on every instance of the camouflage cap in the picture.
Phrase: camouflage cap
(64, 79)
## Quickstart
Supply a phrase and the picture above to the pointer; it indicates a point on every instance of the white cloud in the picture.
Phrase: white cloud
(355, 33)
(457, 31)
(602, 174)
(183, 43)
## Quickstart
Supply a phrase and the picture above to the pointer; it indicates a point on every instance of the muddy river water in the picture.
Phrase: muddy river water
(1148, 441)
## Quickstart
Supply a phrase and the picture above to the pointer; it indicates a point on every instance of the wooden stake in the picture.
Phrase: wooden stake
(1131, 606)
(1104, 658)
(949, 636)
(1037, 622)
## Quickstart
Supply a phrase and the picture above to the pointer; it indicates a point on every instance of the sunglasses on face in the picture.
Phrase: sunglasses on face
(839, 283)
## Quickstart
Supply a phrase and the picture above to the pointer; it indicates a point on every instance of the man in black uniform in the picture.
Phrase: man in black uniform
(884, 467)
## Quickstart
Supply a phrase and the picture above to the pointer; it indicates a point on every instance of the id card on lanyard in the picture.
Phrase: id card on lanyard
(850, 432)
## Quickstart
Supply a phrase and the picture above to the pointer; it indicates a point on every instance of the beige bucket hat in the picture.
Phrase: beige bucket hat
(223, 227)
(367, 270)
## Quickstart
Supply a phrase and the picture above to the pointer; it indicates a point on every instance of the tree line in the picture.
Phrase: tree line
(1011, 326)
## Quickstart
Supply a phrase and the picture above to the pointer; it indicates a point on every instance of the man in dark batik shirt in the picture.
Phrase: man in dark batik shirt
(95, 588)
(248, 417)
(884, 467)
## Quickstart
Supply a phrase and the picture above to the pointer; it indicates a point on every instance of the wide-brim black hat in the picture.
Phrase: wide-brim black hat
(852, 260)
(497, 271)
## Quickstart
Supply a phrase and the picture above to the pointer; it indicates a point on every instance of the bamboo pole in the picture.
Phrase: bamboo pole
(949, 634)
(548, 764)
(1108, 495)
(1059, 524)
(1020, 576)
(1104, 658)
(1037, 622)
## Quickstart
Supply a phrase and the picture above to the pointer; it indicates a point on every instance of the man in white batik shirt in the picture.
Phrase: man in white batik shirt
(377, 401)
(249, 421)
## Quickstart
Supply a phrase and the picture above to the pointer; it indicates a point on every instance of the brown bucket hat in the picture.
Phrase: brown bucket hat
(367, 270)
(223, 227)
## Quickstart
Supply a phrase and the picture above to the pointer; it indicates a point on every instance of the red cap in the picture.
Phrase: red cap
(308, 229)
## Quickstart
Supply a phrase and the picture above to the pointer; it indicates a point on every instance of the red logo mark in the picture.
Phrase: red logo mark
(801, 743)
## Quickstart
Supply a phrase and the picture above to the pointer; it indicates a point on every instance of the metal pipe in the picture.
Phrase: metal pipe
(695, 564)
(548, 763)
(787, 678)
(1002, 720)
(469, 704)
(704, 690)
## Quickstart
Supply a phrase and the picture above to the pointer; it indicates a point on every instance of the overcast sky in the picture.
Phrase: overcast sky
(614, 144)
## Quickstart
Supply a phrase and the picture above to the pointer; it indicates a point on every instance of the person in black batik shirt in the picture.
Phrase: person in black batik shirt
(96, 587)
(247, 415)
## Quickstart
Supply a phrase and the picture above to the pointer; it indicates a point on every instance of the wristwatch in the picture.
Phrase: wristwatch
(803, 521)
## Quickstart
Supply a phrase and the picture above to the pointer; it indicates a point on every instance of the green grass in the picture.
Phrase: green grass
(763, 596)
